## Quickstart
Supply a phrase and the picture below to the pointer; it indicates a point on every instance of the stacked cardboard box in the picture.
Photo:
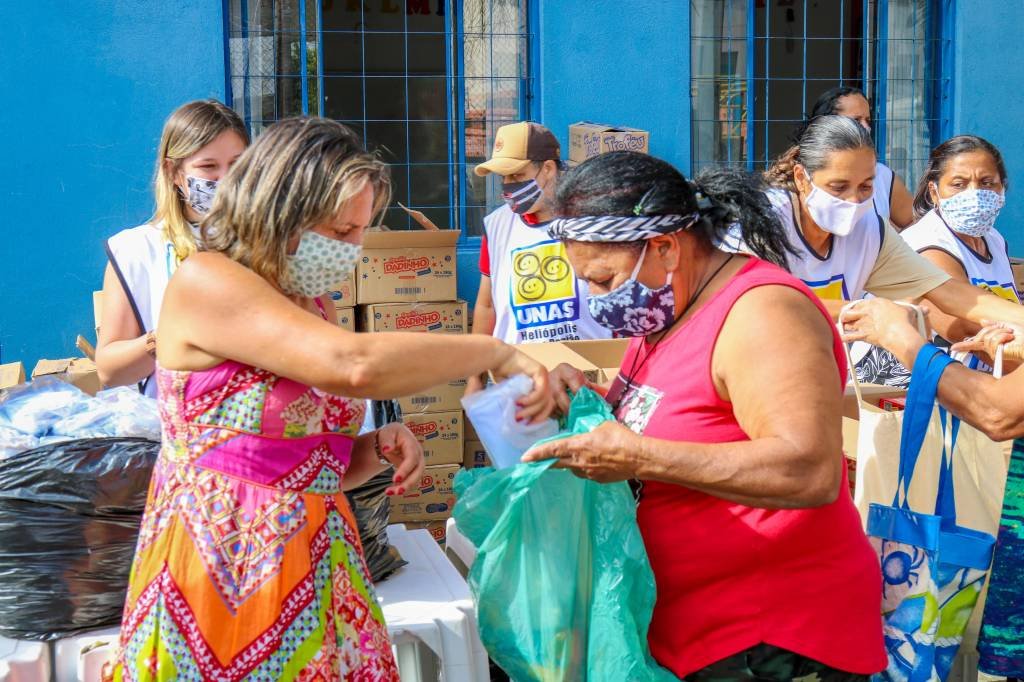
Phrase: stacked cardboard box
(588, 139)
(405, 282)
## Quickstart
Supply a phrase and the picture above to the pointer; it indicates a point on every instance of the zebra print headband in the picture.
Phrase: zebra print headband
(618, 228)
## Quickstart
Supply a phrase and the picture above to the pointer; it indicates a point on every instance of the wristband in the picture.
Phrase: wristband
(376, 448)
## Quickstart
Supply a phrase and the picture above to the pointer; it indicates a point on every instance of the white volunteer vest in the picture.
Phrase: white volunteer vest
(992, 273)
(884, 177)
(534, 289)
(843, 272)
(144, 262)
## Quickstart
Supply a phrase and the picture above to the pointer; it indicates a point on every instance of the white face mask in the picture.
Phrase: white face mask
(835, 215)
(319, 265)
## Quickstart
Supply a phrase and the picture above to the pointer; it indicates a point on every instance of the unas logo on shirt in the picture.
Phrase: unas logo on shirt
(832, 289)
(544, 289)
(1007, 290)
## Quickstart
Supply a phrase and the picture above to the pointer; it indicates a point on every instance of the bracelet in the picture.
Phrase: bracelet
(376, 448)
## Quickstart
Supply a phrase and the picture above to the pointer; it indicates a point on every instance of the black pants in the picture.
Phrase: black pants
(771, 664)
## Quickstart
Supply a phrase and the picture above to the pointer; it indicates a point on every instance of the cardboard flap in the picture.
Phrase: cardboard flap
(606, 354)
(410, 239)
(12, 374)
(45, 367)
(553, 354)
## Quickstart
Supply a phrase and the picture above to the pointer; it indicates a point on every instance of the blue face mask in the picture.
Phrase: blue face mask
(632, 309)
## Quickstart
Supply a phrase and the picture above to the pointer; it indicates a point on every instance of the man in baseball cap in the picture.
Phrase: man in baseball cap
(528, 290)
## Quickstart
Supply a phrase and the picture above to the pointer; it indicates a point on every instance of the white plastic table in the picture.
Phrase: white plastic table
(428, 602)
(24, 661)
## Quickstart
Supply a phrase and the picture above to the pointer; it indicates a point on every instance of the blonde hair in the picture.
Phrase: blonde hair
(191, 127)
(298, 174)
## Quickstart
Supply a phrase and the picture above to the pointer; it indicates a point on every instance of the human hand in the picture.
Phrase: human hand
(397, 445)
(566, 380)
(538, 404)
(611, 452)
(881, 322)
(475, 384)
(993, 335)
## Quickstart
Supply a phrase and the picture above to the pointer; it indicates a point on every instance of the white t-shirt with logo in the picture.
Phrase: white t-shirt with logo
(992, 273)
(840, 275)
(534, 289)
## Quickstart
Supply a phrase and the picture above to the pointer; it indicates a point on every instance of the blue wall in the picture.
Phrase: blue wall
(87, 87)
(617, 63)
(989, 80)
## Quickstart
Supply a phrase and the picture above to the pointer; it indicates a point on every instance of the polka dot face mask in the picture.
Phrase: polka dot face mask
(972, 212)
(319, 265)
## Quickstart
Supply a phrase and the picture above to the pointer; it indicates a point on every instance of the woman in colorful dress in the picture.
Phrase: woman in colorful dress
(200, 141)
(995, 407)
(249, 566)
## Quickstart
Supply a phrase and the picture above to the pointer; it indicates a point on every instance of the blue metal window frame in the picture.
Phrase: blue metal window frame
(938, 72)
(455, 103)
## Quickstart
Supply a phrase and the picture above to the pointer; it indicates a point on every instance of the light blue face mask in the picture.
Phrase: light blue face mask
(633, 309)
(972, 212)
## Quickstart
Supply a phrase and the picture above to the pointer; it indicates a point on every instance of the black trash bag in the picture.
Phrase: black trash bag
(69, 521)
(372, 507)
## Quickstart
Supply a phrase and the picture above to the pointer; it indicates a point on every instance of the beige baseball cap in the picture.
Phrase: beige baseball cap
(518, 144)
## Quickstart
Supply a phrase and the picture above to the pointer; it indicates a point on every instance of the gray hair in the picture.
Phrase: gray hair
(823, 136)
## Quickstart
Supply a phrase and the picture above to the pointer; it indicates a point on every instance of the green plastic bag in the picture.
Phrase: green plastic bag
(563, 586)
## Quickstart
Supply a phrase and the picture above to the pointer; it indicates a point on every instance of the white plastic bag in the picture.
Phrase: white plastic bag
(493, 414)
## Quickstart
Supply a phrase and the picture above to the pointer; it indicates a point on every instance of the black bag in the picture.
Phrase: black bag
(372, 507)
(69, 521)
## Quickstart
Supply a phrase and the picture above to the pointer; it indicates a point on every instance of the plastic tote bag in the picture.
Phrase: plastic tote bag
(563, 586)
(933, 570)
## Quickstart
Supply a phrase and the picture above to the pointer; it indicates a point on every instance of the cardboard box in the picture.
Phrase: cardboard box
(443, 398)
(78, 371)
(598, 360)
(12, 374)
(446, 318)
(347, 318)
(437, 529)
(431, 499)
(345, 296)
(588, 139)
(415, 265)
(475, 455)
(440, 434)
(1017, 265)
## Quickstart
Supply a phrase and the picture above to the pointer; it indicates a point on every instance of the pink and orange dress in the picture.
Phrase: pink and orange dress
(249, 565)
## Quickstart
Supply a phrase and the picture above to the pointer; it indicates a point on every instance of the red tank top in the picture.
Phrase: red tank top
(729, 576)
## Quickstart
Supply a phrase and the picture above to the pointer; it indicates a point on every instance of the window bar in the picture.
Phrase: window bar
(362, 64)
(842, 34)
(275, 31)
(865, 51)
(728, 84)
(456, 128)
(913, 94)
(408, 120)
(246, 47)
(458, 48)
(303, 66)
(748, 95)
(882, 74)
(767, 71)
(319, 58)
(803, 101)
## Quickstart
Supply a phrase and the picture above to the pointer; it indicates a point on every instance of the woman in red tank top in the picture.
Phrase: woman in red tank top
(729, 403)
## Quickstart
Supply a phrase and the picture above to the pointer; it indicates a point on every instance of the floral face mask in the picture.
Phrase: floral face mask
(633, 309)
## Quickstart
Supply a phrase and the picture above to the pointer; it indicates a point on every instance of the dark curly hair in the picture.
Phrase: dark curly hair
(631, 183)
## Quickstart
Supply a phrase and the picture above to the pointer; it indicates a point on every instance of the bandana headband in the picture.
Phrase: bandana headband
(618, 228)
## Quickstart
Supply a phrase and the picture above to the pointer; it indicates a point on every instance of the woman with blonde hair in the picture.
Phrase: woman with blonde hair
(249, 565)
(199, 143)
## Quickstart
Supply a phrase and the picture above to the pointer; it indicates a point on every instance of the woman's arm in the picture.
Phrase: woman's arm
(901, 204)
(993, 406)
(960, 299)
(773, 361)
(948, 327)
(216, 309)
(122, 358)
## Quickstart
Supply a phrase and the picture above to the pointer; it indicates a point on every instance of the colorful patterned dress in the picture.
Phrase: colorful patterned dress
(249, 566)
